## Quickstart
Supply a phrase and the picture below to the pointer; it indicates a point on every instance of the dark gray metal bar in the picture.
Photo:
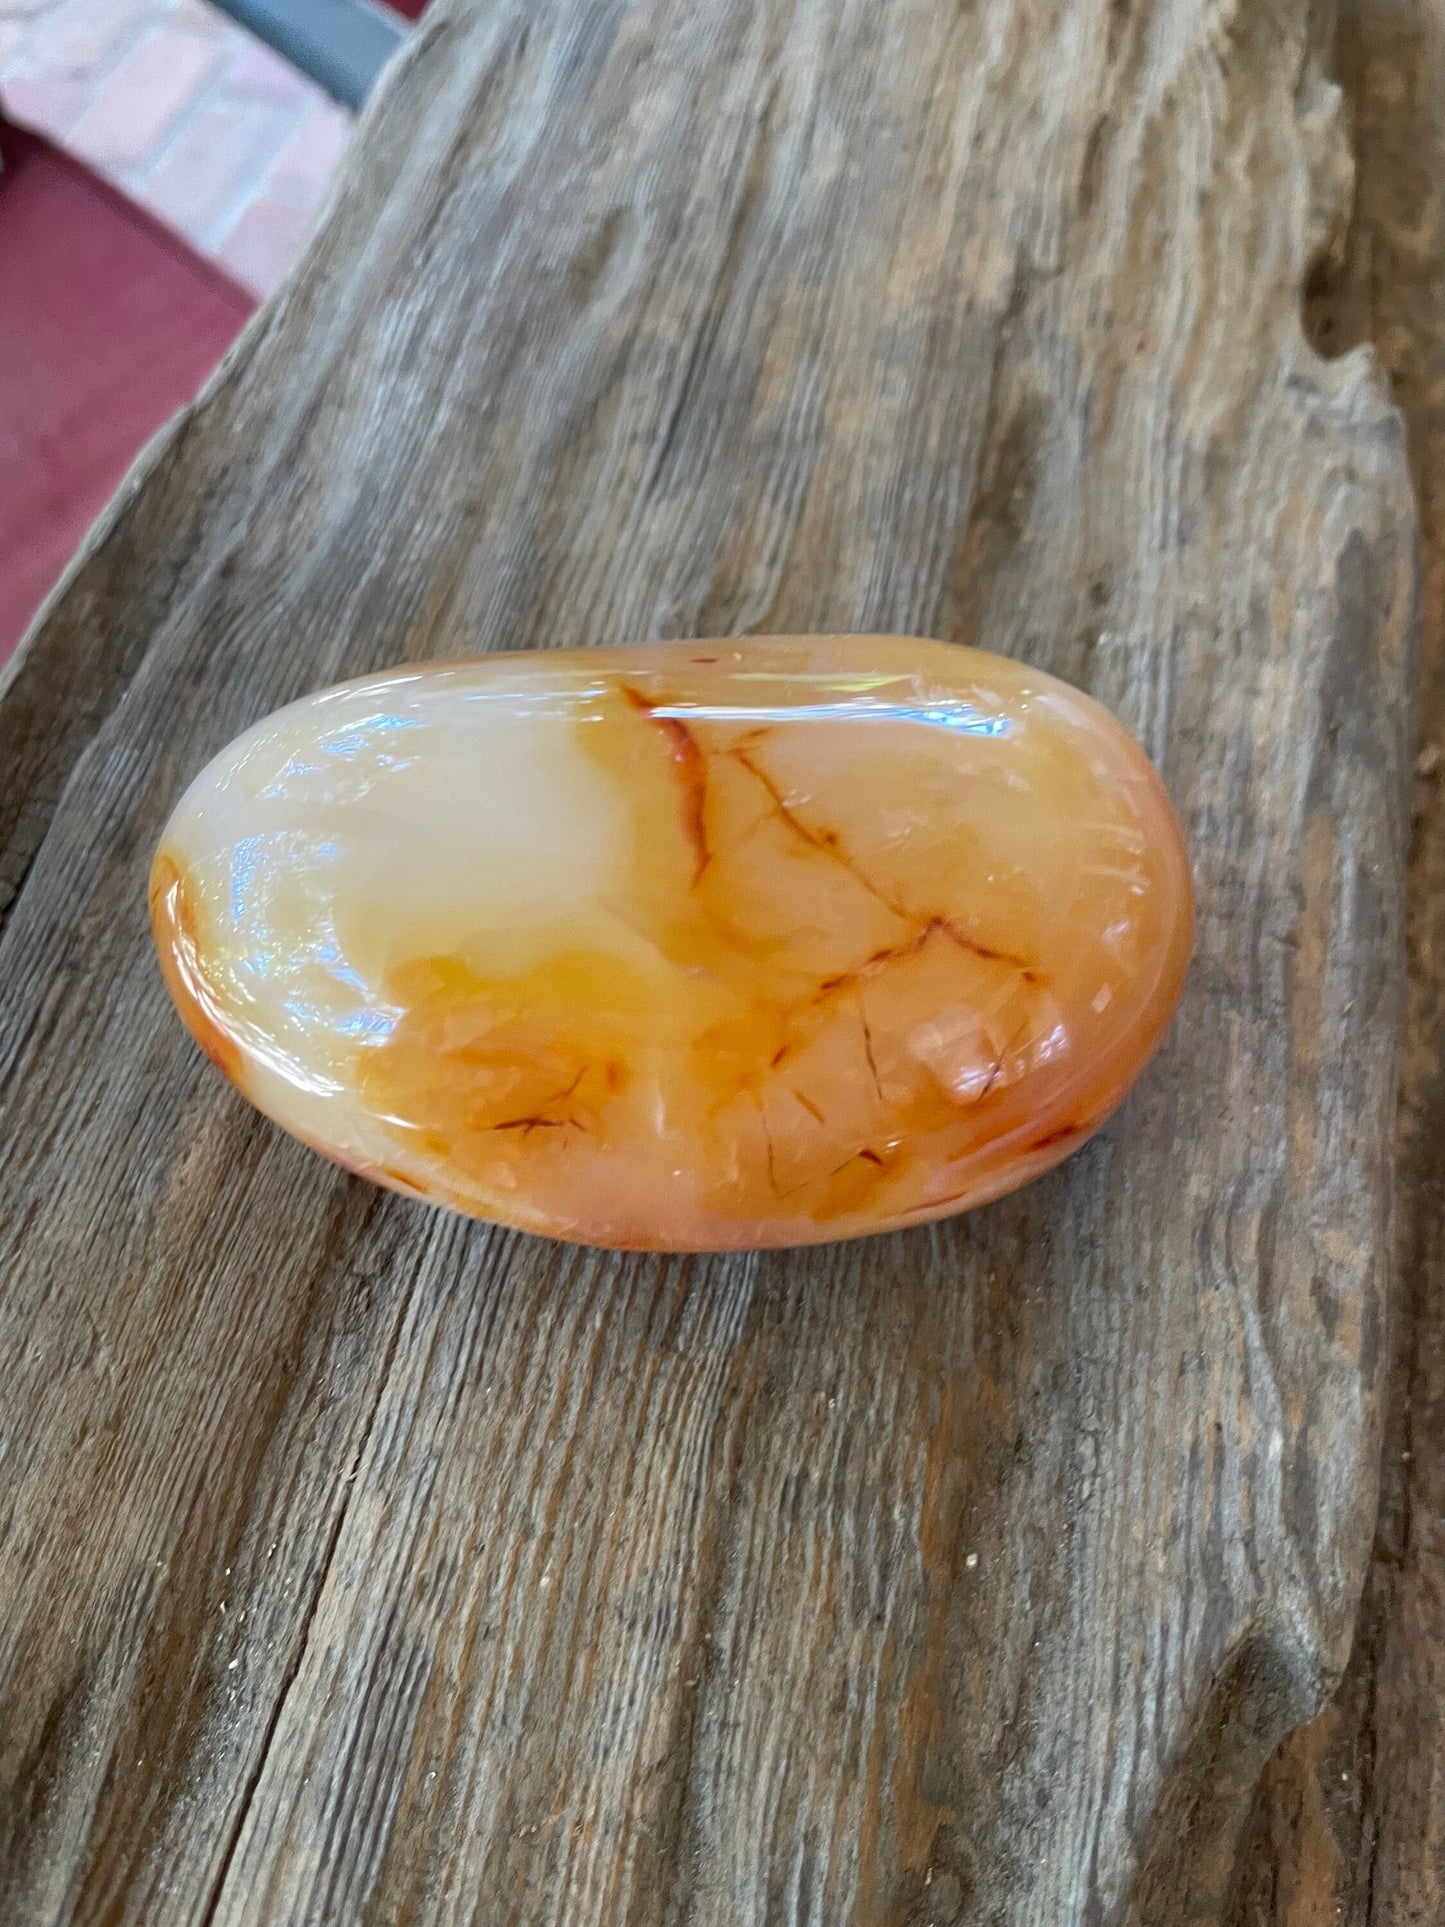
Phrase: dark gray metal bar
(341, 44)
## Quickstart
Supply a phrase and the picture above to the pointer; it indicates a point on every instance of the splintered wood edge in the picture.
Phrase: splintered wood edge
(39, 745)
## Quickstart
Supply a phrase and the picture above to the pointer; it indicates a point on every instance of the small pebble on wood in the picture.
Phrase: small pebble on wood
(684, 946)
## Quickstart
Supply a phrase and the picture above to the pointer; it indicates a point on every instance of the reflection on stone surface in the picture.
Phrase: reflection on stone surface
(683, 946)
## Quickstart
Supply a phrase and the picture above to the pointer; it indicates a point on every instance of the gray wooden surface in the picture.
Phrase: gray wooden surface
(1349, 1828)
(358, 1564)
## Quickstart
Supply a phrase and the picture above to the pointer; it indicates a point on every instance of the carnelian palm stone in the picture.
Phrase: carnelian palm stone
(685, 946)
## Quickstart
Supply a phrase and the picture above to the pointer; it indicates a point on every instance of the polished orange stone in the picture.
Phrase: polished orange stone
(685, 946)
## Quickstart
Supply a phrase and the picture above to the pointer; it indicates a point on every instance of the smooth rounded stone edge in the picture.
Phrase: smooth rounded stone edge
(687, 946)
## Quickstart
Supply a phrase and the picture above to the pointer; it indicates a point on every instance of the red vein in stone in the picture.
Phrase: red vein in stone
(689, 766)
(825, 842)
(868, 1047)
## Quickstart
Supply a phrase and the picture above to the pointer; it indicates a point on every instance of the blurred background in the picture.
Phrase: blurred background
(162, 165)
(190, 116)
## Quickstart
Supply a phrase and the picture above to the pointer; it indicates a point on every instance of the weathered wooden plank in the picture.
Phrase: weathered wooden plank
(935, 1577)
(1350, 1823)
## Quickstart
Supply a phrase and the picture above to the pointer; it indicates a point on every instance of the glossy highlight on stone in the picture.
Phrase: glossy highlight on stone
(683, 946)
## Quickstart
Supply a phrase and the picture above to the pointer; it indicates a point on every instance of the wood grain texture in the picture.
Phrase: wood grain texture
(357, 1564)
(1349, 1826)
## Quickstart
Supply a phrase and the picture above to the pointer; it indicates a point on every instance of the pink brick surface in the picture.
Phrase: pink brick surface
(304, 167)
(150, 88)
(79, 36)
(207, 168)
(196, 16)
(263, 244)
(254, 69)
(49, 103)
